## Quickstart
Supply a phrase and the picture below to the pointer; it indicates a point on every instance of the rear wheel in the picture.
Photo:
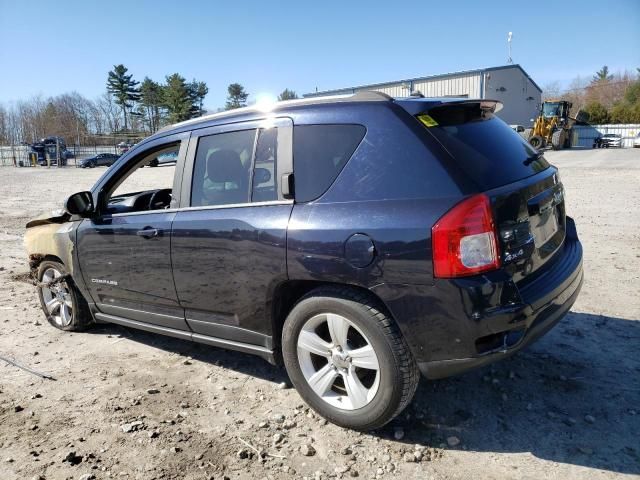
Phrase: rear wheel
(63, 305)
(537, 142)
(347, 358)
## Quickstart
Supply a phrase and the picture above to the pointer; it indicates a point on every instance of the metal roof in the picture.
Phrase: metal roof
(420, 79)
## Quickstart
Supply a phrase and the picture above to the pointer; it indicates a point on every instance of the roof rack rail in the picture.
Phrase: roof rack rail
(371, 96)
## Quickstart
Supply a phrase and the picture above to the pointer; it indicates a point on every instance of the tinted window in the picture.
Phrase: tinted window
(485, 147)
(221, 171)
(265, 175)
(319, 154)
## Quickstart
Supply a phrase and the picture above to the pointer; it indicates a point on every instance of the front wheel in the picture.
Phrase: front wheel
(348, 359)
(62, 303)
(537, 142)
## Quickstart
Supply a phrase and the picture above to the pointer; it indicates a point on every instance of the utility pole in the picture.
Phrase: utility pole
(509, 60)
(58, 160)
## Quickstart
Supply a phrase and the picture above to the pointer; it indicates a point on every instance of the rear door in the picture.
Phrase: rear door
(229, 245)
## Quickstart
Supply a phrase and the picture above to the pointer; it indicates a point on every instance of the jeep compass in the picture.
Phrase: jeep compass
(357, 240)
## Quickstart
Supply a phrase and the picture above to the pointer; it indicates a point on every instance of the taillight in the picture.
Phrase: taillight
(464, 240)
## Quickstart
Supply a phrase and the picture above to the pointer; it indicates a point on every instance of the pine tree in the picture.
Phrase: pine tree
(237, 97)
(151, 100)
(177, 99)
(197, 91)
(602, 75)
(123, 88)
(287, 95)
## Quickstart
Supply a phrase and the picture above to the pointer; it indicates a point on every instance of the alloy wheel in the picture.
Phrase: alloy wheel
(338, 361)
(57, 298)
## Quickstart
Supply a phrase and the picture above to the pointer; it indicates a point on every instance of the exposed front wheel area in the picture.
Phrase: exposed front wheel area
(57, 298)
(62, 303)
(347, 358)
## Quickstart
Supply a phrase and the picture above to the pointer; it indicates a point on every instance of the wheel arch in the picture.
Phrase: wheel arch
(288, 293)
(35, 260)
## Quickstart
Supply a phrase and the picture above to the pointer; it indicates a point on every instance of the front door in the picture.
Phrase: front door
(125, 251)
(229, 246)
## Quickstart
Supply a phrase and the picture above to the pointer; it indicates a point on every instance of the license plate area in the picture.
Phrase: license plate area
(546, 228)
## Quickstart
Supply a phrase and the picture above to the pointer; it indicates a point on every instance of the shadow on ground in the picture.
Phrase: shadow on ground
(573, 397)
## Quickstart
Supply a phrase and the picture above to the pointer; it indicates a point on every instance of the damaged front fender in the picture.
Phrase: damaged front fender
(50, 236)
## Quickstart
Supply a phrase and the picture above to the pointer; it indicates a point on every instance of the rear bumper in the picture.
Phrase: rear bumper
(457, 325)
(541, 322)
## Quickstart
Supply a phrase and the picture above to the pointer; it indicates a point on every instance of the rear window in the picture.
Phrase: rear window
(319, 154)
(485, 147)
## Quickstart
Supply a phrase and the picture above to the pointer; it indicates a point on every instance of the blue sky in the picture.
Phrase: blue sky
(50, 47)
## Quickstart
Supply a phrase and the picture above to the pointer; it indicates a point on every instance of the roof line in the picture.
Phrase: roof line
(416, 79)
(364, 96)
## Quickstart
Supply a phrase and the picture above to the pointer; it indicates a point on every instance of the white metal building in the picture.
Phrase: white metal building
(509, 84)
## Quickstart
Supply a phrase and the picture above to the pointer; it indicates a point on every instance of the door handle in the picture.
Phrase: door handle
(148, 232)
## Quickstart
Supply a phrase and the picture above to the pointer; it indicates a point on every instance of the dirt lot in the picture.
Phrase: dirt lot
(128, 404)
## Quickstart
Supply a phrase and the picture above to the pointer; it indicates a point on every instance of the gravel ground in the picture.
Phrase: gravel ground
(128, 404)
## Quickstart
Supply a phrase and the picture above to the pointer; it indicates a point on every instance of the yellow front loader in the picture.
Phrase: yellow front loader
(553, 126)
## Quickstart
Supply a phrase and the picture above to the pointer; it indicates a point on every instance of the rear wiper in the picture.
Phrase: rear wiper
(532, 158)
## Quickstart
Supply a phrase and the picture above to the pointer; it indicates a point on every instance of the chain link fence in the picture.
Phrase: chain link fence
(23, 155)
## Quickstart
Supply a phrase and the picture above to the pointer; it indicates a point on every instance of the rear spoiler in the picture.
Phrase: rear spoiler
(416, 106)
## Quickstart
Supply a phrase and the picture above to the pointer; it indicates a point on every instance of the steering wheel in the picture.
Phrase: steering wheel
(160, 199)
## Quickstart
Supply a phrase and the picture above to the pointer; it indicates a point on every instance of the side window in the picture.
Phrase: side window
(222, 168)
(265, 186)
(144, 189)
(319, 154)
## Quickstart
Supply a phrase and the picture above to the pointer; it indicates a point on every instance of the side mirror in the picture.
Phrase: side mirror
(80, 203)
(261, 175)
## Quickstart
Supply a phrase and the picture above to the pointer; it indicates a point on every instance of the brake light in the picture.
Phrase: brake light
(464, 240)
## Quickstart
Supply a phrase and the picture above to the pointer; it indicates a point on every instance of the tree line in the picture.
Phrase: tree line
(607, 97)
(127, 109)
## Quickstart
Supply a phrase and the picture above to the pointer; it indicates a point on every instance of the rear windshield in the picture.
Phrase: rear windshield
(485, 147)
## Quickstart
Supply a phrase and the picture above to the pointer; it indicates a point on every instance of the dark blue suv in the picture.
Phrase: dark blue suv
(358, 240)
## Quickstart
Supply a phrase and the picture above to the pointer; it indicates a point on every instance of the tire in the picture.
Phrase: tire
(154, 163)
(557, 139)
(71, 314)
(526, 135)
(378, 395)
(537, 142)
(92, 165)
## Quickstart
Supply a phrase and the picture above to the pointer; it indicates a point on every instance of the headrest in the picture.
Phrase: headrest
(225, 166)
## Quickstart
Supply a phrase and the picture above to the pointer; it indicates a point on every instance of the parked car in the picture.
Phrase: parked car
(608, 140)
(99, 160)
(123, 147)
(356, 240)
(164, 159)
(636, 141)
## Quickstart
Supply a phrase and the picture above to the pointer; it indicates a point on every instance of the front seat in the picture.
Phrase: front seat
(226, 181)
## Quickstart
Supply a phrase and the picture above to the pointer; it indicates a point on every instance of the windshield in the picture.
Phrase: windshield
(485, 147)
(551, 109)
